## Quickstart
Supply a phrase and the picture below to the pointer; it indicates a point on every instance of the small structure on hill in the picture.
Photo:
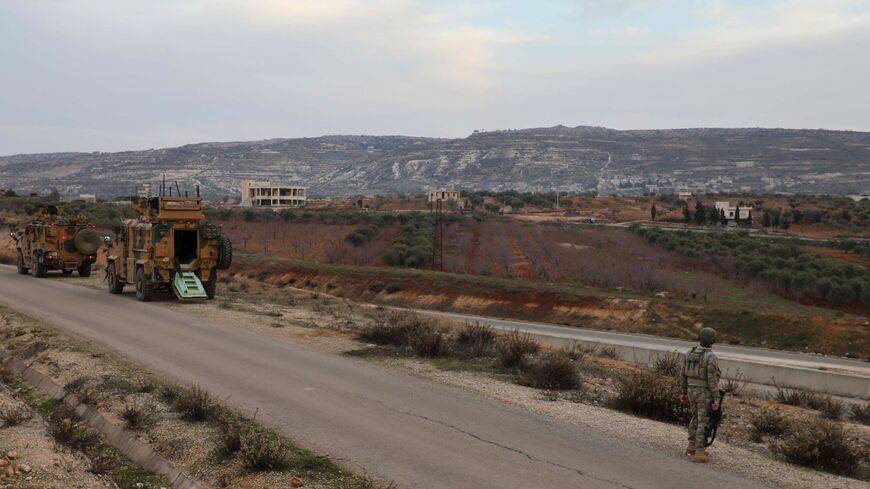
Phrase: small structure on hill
(447, 196)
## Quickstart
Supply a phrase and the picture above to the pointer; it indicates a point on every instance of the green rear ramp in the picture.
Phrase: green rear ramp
(187, 286)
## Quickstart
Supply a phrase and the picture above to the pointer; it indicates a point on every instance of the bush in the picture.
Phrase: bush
(427, 342)
(14, 414)
(767, 422)
(735, 385)
(648, 394)
(231, 429)
(669, 364)
(393, 288)
(194, 404)
(376, 287)
(861, 413)
(476, 339)
(829, 407)
(394, 328)
(554, 371)
(515, 347)
(608, 352)
(822, 445)
(262, 450)
(139, 412)
(82, 388)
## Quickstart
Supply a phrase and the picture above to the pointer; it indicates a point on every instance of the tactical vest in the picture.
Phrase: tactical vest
(696, 363)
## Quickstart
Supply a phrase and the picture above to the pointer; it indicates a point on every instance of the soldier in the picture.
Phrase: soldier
(700, 383)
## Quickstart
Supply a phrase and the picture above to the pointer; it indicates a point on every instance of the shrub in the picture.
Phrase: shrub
(82, 388)
(669, 364)
(231, 429)
(194, 404)
(262, 450)
(791, 396)
(376, 287)
(575, 352)
(139, 412)
(820, 444)
(648, 394)
(14, 414)
(393, 288)
(735, 385)
(427, 342)
(554, 371)
(608, 352)
(861, 413)
(767, 422)
(829, 407)
(102, 461)
(476, 339)
(514, 347)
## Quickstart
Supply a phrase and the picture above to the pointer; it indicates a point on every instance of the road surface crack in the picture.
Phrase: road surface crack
(515, 450)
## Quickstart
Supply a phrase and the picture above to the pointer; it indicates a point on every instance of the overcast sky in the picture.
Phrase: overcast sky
(109, 75)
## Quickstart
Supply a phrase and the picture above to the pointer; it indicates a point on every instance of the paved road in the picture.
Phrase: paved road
(759, 355)
(395, 426)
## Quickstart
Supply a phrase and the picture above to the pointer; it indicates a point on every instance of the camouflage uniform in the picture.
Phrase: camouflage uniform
(700, 380)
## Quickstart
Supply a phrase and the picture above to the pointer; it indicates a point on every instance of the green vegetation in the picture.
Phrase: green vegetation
(784, 266)
(414, 247)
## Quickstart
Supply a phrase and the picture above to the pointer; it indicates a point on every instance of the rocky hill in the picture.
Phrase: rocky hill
(578, 159)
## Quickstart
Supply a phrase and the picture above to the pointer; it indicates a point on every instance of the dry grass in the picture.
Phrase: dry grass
(263, 450)
(767, 422)
(13, 414)
(476, 340)
(139, 412)
(651, 395)
(829, 407)
(861, 413)
(735, 385)
(555, 371)
(668, 364)
(194, 404)
(821, 444)
(514, 348)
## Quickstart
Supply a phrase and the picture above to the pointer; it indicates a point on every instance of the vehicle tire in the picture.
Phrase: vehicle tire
(115, 285)
(39, 269)
(21, 268)
(210, 285)
(66, 272)
(225, 252)
(144, 290)
(85, 270)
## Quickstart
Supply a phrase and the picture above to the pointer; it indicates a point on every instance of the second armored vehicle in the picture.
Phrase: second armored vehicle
(52, 241)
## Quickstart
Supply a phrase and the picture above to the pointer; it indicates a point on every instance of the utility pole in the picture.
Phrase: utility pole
(438, 238)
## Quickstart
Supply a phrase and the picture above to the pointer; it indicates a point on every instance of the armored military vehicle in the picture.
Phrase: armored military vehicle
(169, 247)
(52, 241)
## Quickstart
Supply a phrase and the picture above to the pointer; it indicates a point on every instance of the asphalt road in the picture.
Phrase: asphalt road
(394, 426)
(760, 355)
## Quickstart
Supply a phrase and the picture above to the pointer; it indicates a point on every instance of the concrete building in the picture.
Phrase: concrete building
(731, 212)
(446, 196)
(265, 194)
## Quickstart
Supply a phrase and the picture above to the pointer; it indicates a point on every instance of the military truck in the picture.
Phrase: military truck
(52, 241)
(169, 247)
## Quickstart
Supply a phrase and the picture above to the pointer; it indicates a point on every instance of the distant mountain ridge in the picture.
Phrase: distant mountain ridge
(581, 158)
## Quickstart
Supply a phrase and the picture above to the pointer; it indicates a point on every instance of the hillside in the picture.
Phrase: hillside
(576, 159)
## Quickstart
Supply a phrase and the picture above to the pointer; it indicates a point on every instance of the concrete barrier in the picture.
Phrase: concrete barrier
(835, 383)
(140, 453)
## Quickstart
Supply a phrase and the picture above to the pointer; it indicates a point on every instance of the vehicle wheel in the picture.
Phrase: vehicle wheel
(144, 290)
(21, 268)
(39, 269)
(115, 285)
(85, 270)
(66, 272)
(225, 252)
(210, 285)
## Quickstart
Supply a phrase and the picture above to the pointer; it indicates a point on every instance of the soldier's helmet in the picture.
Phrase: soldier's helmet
(707, 336)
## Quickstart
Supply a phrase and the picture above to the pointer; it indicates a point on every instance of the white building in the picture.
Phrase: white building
(265, 194)
(730, 212)
(445, 196)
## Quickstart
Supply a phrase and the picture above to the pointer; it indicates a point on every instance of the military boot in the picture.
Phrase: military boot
(701, 456)
(690, 450)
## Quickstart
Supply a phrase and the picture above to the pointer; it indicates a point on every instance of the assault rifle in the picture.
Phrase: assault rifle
(713, 421)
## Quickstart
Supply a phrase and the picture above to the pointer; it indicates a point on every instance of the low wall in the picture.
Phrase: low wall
(836, 383)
